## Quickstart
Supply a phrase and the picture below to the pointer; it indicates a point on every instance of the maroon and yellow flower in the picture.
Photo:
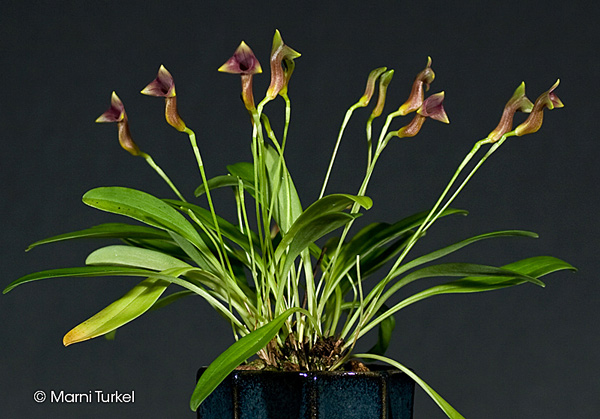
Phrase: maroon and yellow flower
(280, 53)
(419, 87)
(243, 62)
(518, 102)
(533, 123)
(164, 86)
(370, 88)
(432, 107)
(116, 113)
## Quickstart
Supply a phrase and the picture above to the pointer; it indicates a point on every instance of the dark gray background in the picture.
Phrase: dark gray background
(519, 353)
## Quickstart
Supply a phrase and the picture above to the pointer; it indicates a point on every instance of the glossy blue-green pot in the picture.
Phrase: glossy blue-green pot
(383, 394)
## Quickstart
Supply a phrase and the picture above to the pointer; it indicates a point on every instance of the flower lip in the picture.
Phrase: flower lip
(433, 107)
(243, 61)
(115, 113)
(162, 86)
(556, 102)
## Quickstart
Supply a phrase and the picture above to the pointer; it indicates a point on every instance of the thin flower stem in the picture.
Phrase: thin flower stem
(421, 228)
(492, 149)
(162, 174)
(384, 138)
(261, 193)
(288, 114)
(222, 252)
(252, 258)
(369, 130)
(330, 287)
(375, 300)
(375, 294)
(337, 145)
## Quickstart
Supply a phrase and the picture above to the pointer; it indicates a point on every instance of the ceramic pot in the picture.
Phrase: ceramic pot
(380, 394)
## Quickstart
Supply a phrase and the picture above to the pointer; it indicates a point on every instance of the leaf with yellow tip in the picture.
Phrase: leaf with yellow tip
(132, 305)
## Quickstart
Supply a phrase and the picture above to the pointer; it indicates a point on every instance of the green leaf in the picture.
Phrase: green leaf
(110, 230)
(287, 206)
(120, 255)
(464, 269)
(164, 246)
(457, 246)
(143, 207)
(384, 335)
(127, 308)
(85, 271)
(522, 270)
(322, 217)
(451, 412)
(216, 183)
(242, 170)
(235, 355)
(534, 267)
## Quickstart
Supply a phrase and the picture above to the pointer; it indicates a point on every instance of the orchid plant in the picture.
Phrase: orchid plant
(295, 295)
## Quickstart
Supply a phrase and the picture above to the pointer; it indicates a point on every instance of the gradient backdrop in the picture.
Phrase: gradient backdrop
(519, 353)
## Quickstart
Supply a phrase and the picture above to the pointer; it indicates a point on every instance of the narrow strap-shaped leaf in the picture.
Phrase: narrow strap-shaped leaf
(534, 267)
(235, 355)
(451, 412)
(93, 271)
(127, 308)
(109, 230)
(137, 257)
(84, 271)
(143, 207)
(457, 246)
(463, 269)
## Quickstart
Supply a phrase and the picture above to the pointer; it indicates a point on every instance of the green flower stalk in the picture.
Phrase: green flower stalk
(116, 113)
(244, 62)
(548, 100)
(364, 100)
(518, 102)
(164, 86)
